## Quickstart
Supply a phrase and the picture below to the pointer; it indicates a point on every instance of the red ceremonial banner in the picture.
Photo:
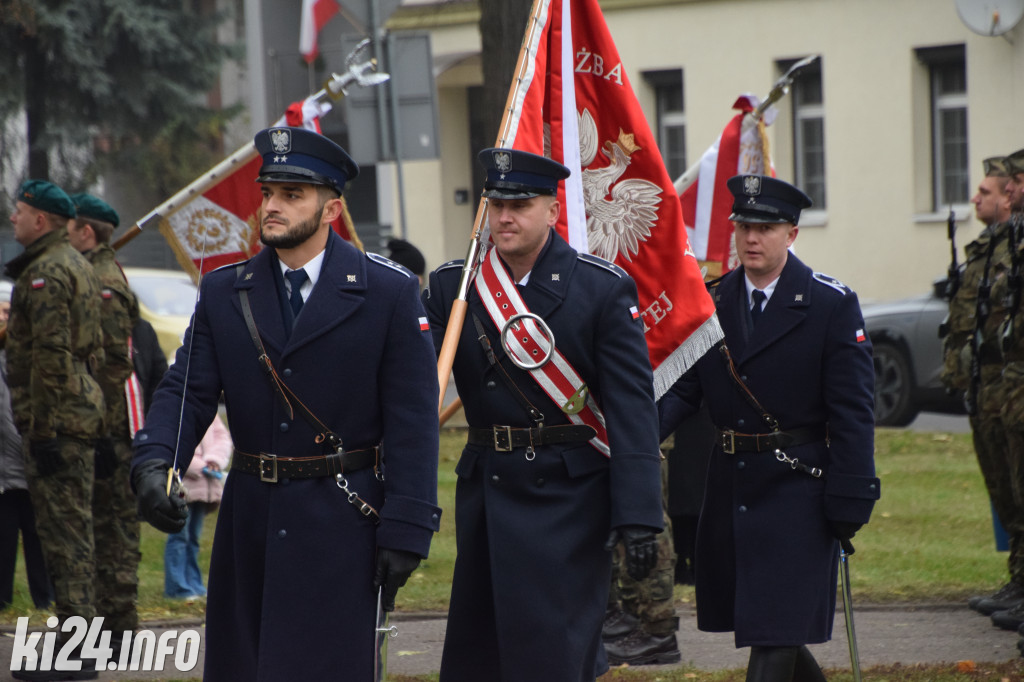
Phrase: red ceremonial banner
(577, 107)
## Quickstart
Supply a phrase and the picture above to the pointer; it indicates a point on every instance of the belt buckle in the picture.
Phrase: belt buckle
(266, 477)
(729, 442)
(506, 433)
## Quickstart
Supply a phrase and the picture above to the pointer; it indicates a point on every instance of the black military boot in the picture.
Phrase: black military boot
(1009, 595)
(617, 624)
(642, 648)
(1010, 619)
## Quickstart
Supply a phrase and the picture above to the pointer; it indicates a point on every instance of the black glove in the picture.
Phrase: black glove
(641, 545)
(394, 566)
(47, 456)
(106, 458)
(163, 512)
(843, 530)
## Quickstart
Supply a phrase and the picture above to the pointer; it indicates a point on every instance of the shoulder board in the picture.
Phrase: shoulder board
(830, 281)
(601, 263)
(236, 264)
(388, 263)
(457, 263)
(712, 284)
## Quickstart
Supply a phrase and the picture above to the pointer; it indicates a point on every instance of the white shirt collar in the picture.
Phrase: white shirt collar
(312, 268)
(768, 291)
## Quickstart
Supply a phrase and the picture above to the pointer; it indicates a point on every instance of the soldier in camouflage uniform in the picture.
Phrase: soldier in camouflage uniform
(640, 622)
(973, 365)
(115, 521)
(1009, 337)
(54, 346)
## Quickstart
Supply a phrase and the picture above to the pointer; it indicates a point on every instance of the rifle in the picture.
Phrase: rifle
(953, 274)
(1013, 280)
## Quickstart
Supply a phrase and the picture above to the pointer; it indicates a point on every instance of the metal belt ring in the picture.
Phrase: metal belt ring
(545, 329)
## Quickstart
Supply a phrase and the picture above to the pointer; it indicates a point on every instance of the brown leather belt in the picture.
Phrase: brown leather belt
(733, 442)
(505, 438)
(270, 468)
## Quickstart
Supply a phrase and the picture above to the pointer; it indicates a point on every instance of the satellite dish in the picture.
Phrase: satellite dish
(990, 17)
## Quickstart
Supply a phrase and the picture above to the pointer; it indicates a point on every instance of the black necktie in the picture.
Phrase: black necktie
(297, 278)
(759, 298)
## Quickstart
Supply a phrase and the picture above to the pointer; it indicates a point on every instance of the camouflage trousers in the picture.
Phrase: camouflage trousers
(650, 599)
(63, 506)
(1000, 465)
(116, 530)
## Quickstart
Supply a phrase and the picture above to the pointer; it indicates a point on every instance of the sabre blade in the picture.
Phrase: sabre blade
(851, 634)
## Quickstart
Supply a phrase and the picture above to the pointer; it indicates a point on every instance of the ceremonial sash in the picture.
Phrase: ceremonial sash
(133, 398)
(557, 378)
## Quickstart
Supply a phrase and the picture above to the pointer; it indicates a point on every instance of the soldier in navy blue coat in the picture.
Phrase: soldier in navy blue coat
(793, 470)
(297, 559)
(544, 490)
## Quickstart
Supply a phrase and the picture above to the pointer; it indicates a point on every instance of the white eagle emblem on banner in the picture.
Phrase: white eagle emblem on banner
(619, 224)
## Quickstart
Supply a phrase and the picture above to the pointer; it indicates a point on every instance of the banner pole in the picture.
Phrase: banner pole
(446, 356)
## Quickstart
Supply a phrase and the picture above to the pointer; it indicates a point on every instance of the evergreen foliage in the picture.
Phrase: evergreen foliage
(99, 81)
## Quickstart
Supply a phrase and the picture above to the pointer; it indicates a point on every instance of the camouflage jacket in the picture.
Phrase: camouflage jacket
(963, 307)
(54, 343)
(120, 311)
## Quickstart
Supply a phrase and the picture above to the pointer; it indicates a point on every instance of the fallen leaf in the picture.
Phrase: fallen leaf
(965, 666)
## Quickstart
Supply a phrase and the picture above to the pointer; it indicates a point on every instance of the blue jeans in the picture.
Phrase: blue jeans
(182, 577)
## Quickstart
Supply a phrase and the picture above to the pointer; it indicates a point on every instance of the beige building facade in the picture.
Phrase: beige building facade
(887, 132)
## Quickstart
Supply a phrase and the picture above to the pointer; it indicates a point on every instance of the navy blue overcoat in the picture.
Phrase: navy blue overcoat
(532, 576)
(766, 561)
(290, 593)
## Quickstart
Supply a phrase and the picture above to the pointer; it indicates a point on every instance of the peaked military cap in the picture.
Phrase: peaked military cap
(995, 167)
(46, 196)
(88, 206)
(1015, 162)
(764, 199)
(514, 174)
(300, 155)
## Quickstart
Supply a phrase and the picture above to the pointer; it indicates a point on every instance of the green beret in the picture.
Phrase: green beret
(46, 196)
(1015, 162)
(995, 167)
(89, 206)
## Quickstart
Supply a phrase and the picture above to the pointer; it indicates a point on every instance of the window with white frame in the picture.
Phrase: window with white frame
(808, 105)
(947, 70)
(671, 118)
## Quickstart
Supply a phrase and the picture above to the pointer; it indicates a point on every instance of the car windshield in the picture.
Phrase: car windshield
(165, 295)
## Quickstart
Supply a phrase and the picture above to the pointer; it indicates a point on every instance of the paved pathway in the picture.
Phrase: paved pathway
(923, 633)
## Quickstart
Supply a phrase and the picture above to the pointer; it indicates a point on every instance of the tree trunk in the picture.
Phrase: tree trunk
(502, 26)
(35, 110)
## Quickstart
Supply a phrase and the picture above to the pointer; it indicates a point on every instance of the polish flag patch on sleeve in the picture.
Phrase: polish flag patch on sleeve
(424, 325)
(859, 335)
(38, 283)
(634, 312)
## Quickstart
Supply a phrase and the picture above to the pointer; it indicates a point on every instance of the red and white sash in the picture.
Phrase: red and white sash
(557, 378)
(133, 397)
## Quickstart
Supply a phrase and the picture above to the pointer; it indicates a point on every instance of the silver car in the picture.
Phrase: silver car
(908, 357)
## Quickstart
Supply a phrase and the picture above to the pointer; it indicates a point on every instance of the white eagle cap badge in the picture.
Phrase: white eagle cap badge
(281, 140)
(752, 185)
(502, 161)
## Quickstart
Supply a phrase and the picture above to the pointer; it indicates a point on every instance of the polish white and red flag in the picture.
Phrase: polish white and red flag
(575, 105)
(221, 225)
(705, 198)
(315, 15)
